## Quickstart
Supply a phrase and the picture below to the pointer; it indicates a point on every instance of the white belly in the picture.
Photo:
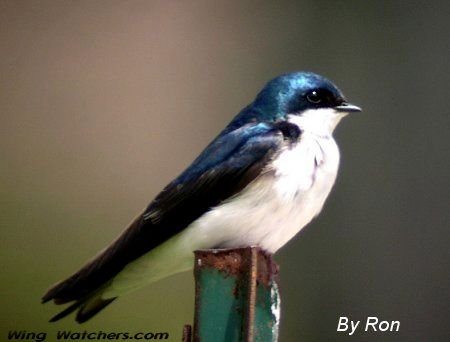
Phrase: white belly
(275, 207)
(267, 213)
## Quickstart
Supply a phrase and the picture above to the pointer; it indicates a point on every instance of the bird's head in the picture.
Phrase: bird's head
(307, 99)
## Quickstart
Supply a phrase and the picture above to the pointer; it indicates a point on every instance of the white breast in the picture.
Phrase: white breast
(279, 204)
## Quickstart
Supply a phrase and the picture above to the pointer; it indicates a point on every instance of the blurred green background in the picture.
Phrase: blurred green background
(103, 102)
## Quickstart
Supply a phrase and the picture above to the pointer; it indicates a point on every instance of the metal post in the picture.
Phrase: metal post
(236, 297)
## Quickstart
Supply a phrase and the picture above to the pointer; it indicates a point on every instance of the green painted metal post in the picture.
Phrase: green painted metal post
(237, 296)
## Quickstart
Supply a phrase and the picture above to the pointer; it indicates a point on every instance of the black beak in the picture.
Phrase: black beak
(347, 108)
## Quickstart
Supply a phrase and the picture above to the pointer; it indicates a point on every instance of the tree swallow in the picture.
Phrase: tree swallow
(264, 177)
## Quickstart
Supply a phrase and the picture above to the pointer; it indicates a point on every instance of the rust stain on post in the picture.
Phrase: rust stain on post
(251, 295)
(236, 295)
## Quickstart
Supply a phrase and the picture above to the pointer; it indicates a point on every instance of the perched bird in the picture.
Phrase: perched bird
(264, 177)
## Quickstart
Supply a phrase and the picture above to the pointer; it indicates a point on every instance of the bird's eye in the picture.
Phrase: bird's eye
(314, 97)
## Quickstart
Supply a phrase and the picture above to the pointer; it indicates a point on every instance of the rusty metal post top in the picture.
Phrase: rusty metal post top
(236, 262)
(237, 295)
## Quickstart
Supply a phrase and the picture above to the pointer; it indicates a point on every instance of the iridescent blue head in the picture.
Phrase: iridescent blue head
(294, 94)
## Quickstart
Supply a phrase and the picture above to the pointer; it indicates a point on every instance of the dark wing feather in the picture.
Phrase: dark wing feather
(226, 166)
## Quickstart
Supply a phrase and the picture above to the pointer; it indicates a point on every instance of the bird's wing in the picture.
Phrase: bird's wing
(226, 166)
